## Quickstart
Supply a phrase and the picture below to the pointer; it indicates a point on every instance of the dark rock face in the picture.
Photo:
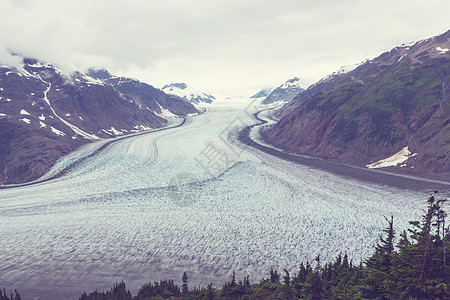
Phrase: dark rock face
(46, 113)
(181, 86)
(398, 99)
(101, 74)
(27, 153)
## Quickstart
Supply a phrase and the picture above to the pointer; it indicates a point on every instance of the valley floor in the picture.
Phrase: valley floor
(189, 198)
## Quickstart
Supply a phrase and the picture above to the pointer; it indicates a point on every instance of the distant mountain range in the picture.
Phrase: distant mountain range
(286, 92)
(46, 113)
(190, 94)
(391, 112)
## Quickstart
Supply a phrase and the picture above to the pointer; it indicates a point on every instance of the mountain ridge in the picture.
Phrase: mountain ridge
(372, 112)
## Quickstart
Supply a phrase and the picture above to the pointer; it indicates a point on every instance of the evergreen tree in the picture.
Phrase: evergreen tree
(210, 292)
(287, 285)
(379, 265)
(345, 261)
(302, 273)
(418, 269)
(184, 287)
(441, 215)
(274, 276)
(404, 242)
(316, 282)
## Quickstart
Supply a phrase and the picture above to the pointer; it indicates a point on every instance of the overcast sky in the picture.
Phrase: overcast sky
(221, 47)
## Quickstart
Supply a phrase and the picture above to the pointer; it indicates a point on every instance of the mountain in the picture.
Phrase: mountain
(262, 93)
(45, 113)
(391, 112)
(285, 92)
(187, 93)
(145, 95)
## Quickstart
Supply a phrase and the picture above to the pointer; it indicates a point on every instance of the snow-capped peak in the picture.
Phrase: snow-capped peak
(293, 83)
(409, 44)
(348, 68)
(181, 86)
(342, 70)
(287, 91)
(99, 74)
(188, 93)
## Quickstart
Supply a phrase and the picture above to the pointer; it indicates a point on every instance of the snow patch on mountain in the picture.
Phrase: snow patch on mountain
(73, 127)
(112, 131)
(441, 50)
(165, 113)
(92, 80)
(141, 128)
(115, 131)
(56, 131)
(24, 112)
(394, 160)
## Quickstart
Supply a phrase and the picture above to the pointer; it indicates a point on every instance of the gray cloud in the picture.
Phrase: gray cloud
(219, 46)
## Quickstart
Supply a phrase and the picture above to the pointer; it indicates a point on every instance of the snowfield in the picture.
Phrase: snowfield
(190, 199)
(398, 158)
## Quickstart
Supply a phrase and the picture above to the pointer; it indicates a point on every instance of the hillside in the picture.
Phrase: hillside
(391, 112)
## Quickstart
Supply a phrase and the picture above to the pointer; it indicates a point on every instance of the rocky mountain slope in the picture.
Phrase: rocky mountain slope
(46, 113)
(188, 93)
(146, 96)
(391, 112)
(285, 92)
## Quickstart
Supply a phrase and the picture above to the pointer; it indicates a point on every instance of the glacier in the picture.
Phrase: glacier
(190, 198)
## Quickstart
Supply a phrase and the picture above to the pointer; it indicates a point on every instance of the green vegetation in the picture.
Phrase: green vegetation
(389, 98)
(414, 267)
(344, 130)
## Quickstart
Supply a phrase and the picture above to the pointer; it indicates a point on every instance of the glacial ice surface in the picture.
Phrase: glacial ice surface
(154, 205)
